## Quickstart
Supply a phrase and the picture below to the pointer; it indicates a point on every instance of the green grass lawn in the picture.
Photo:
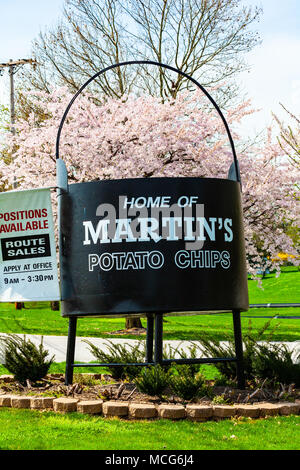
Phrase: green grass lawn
(42, 321)
(208, 370)
(282, 289)
(33, 430)
(38, 318)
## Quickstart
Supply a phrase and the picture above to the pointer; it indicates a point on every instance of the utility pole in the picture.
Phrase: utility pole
(12, 99)
(13, 66)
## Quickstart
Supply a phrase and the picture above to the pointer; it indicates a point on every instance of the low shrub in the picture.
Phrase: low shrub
(262, 359)
(24, 359)
(86, 380)
(274, 362)
(189, 352)
(185, 384)
(153, 380)
(212, 348)
(120, 354)
(220, 400)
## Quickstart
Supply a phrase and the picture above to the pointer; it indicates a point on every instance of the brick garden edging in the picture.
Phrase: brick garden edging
(136, 411)
(112, 408)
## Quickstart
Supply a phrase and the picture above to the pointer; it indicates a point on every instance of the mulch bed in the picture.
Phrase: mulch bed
(99, 386)
(128, 331)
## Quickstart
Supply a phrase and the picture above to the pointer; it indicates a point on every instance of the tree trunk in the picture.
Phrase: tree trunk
(134, 322)
(54, 305)
(19, 305)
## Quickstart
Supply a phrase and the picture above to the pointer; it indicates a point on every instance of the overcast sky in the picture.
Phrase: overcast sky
(275, 64)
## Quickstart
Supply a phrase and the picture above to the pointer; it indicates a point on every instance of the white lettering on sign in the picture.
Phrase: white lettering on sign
(202, 259)
(126, 260)
(147, 229)
(152, 219)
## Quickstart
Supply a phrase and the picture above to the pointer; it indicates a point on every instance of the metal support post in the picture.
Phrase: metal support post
(149, 339)
(70, 350)
(238, 348)
(158, 351)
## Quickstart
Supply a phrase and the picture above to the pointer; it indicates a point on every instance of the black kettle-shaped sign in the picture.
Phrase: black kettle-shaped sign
(136, 246)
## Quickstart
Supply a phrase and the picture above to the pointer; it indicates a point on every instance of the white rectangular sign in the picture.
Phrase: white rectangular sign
(28, 266)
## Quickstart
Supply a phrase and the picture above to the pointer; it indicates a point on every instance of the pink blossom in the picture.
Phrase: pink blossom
(141, 137)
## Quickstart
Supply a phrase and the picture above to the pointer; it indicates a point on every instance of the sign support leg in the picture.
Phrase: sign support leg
(238, 348)
(149, 339)
(158, 352)
(70, 350)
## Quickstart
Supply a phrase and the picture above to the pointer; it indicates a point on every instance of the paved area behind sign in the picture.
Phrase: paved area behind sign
(57, 346)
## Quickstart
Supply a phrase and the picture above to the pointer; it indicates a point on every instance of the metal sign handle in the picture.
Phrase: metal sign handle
(234, 169)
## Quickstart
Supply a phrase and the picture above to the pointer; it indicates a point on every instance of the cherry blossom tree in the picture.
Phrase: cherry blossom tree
(141, 137)
(205, 39)
(289, 136)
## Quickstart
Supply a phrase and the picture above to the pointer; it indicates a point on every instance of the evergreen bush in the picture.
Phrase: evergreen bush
(185, 384)
(274, 362)
(262, 359)
(120, 354)
(24, 359)
(153, 380)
